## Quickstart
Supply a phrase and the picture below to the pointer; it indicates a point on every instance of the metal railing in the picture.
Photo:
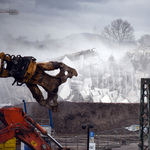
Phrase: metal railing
(43, 121)
(106, 139)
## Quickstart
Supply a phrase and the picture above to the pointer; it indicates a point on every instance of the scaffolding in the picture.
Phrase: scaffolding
(144, 138)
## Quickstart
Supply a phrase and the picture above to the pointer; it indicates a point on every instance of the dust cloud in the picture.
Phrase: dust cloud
(106, 73)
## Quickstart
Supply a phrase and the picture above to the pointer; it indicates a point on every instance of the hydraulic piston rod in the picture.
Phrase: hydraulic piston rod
(58, 144)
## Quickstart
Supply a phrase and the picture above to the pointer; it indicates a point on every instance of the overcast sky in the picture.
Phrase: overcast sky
(60, 18)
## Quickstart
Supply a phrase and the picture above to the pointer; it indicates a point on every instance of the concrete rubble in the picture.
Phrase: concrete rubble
(99, 81)
(103, 81)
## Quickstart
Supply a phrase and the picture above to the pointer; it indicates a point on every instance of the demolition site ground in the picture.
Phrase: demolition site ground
(71, 116)
(109, 121)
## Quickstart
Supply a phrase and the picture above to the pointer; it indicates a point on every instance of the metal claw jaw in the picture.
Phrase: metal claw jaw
(51, 102)
(51, 85)
(66, 72)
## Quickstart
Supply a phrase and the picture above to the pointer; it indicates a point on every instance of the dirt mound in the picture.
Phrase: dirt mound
(72, 116)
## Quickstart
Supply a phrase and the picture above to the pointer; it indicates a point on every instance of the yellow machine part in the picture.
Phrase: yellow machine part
(9, 145)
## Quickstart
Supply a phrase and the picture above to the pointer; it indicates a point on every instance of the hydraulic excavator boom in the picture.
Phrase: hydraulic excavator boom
(16, 123)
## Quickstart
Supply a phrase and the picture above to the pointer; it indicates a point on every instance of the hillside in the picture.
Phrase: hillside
(72, 116)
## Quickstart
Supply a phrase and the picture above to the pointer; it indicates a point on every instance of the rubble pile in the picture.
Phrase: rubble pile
(108, 81)
(104, 81)
(71, 116)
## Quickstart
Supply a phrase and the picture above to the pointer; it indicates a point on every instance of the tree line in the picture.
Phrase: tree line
(121, 32)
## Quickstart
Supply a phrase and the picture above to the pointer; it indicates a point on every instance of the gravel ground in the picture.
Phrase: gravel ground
(132, 146)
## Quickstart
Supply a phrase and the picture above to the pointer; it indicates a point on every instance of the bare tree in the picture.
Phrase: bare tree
(144, 40)
(119, 31)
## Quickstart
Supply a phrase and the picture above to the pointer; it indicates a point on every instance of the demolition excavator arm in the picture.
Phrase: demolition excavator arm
(26, 70)
(16, 123)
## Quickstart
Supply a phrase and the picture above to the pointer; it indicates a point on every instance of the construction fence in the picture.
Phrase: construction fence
(102, 140)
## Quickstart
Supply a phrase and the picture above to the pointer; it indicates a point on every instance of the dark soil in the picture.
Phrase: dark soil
(72, 116)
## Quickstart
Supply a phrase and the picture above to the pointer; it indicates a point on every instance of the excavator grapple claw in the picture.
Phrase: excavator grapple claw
(25, 70)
